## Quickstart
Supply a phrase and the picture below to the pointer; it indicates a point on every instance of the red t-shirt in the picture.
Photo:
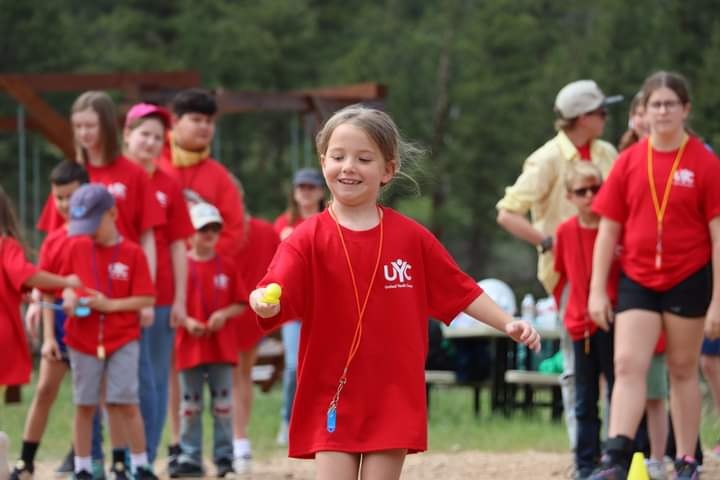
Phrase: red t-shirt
(118, 271)
(573, 261)
(584, 151)
(50, 257)
(282, 224)
(252, 262)
(694, 201)
(15, 271)
(174, 225)
(383, 403)
(211, 180)
(212, 285)
(138, 210)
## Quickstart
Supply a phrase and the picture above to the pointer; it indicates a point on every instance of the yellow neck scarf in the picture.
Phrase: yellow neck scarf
(182, 158)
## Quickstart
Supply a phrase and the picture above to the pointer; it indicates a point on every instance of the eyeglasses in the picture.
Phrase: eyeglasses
(582, 192)
(211, 228)
(669, 105)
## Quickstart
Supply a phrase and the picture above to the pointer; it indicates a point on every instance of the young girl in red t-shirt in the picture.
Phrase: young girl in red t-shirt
(660, 200)
(365, 279)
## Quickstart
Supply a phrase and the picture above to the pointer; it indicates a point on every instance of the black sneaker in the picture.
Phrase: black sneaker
(224, 466)
(187, 469)
(119, 472)
(21, 471)
(686, 468)
(67, 467)
(609, 472)
(82, 475)
(144, 473)
(173, 455)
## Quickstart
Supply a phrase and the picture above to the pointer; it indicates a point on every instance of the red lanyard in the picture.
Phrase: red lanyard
(331, 414)
(660, 209)
(207, 309)
(98, 285)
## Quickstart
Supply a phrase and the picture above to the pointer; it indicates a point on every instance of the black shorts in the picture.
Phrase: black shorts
(689, 298)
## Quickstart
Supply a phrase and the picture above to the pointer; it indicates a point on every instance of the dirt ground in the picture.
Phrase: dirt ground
(435, 466)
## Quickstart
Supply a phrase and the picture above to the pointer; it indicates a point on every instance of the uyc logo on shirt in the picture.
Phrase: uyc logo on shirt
(162, 198)
(221, 281)
(398, 271)
(684, 178)
(118, 271)
(117, 190)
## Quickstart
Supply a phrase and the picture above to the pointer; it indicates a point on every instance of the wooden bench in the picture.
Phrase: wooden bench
(531, 380)
(447, 378)
(269, 364)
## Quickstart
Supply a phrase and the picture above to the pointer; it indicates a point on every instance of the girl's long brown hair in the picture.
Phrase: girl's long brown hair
(102, 104)
(9, 225)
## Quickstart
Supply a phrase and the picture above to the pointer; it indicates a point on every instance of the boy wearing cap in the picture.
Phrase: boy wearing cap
(540, 190)
(103, 345)
(206, 346)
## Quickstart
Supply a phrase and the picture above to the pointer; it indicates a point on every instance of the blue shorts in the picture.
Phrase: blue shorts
(711, 347)
(60, 330)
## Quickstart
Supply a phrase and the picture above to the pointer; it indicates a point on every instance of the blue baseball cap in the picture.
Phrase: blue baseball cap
(308, 176)
(87, 206)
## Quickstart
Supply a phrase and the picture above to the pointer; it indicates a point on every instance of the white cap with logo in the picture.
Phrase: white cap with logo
(202, 214)
(580, 97)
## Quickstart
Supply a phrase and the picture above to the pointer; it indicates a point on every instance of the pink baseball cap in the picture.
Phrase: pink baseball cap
(140, 110)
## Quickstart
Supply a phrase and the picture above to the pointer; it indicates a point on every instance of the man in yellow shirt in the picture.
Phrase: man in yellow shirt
(540, 190)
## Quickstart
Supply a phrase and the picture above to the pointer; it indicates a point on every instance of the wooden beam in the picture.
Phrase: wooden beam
(357, 92)
(245, 101)
(76, 82)
(51, 124)
(9, 124)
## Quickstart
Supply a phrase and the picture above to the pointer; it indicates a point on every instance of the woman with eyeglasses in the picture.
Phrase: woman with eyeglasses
(659, 201)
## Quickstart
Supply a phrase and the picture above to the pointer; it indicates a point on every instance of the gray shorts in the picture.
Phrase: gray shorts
(657, 378)
(119, 372)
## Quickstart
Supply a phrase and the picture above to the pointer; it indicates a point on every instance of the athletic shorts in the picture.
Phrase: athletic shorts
(657, 378)
(689, 298)
(60, 331)
(711, 347)
(119, 370)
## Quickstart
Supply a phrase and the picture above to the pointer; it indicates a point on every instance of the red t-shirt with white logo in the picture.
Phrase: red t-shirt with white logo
(212, 181)
(174, 225)
(252, 262)
(573, 261)
(382, 406)
(212, 284)
(129, 185)
(118, 271)
(694, 200)
(15, 270)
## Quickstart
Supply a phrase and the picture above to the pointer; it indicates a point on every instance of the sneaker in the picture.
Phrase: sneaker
(609, 472)
(119, 472)
(224, 467)
(173, 455)
(98, 469)
(67, 467)
(82, 475)
(187, 469)
(282, 436)
(144, 473)
(686, 468)
(21, 471)
(582, 475)
(243, 464)
(656, 469)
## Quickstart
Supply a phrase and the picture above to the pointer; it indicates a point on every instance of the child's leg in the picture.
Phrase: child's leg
(587, 392)
(291, 341)
(161, 339)
(87, 376)
(657, 426)
(242, 394)
(219, 378)
(711, 371)
(147, 390)
(52, 373)
(383, 465)
(174, 402)
(337, 466)
(191, 390)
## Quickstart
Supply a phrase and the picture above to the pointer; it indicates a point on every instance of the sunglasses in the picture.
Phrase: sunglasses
(602, 112)
(211, 228)
(582, 192)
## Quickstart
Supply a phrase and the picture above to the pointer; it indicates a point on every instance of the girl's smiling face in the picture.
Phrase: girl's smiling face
(354, 168)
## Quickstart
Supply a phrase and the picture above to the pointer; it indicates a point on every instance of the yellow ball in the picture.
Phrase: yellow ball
(272, 293)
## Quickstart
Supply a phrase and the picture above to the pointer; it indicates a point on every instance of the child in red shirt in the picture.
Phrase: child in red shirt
(206, 346)
(365, 279)
(144, 134)
(662, 202)
(103, 344)
(65, 178)
(592, 347)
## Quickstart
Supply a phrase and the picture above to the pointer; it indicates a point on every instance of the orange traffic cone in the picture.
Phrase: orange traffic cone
(638, 470)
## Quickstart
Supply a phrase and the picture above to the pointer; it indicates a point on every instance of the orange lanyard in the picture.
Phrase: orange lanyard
(331, 413)
(660, 209)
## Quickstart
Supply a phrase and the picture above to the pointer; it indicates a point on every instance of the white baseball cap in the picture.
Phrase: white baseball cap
(580, 97)
(202, 214)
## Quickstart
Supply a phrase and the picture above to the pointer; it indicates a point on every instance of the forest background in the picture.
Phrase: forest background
(472, 81)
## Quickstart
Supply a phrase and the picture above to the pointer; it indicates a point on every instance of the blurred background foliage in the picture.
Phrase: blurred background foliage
(472, 81)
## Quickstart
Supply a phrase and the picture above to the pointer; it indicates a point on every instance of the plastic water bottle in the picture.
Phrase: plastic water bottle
(527, 308)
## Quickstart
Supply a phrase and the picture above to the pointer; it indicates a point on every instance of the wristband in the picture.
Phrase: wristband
(546, 244)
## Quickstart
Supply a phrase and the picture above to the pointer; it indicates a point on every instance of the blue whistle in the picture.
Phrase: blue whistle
(331, 420)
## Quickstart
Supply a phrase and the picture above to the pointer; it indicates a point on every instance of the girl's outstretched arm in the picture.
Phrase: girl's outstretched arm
(49, 281)
(483, 309)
